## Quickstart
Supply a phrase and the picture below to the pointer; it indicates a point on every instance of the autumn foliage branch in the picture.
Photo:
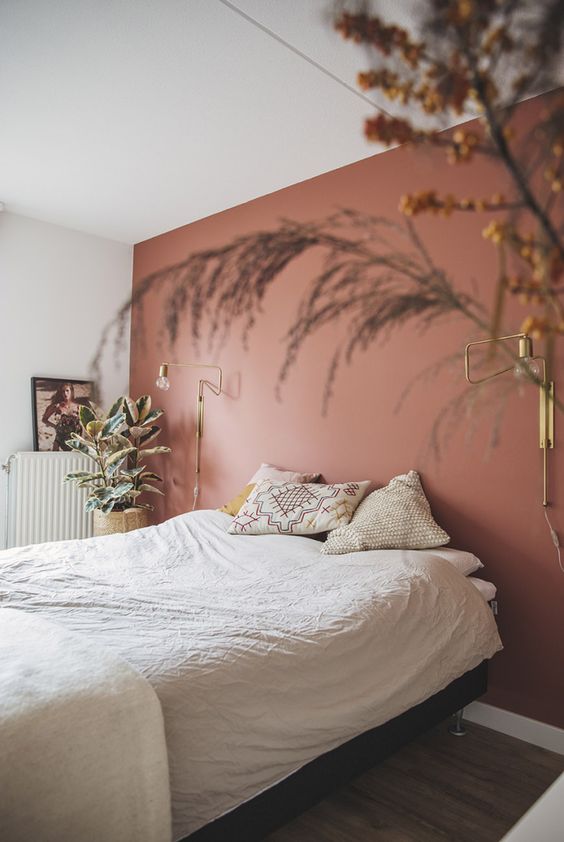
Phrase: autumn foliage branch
(479, 58)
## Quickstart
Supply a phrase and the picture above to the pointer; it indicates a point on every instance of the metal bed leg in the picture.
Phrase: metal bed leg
(457, 729)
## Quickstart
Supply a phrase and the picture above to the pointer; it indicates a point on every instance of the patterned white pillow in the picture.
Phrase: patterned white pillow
(395, 517)
(297, 508)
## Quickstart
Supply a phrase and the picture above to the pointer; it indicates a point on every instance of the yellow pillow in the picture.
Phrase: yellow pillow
(232, 508)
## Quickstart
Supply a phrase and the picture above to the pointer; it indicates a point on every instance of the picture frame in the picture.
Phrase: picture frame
(55, 403)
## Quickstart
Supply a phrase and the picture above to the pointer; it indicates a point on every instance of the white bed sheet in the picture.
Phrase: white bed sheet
(487, 589)
(263, 652)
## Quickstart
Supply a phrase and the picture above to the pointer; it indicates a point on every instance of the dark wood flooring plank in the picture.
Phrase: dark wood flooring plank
(438, 788)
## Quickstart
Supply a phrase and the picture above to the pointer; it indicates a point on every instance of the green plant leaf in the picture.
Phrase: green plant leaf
(82, 447)
(145, 487)
(119, 455)
(113, 424)
(116, 407)
(122, 488)
(92, 503)
(131, 413)
(94, 428)
(113, 469)
(104, 493)
(107, 507)
(136, 432)
(153, 450)
(149, 475)
(79, 475)
(143, 407)
(150, 435)
(133, 472)
(85, 415)
(85, 438)
(121, 440)
(152, 416)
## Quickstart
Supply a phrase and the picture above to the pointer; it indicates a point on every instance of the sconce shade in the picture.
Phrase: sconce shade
(529, 368)
(162, 382)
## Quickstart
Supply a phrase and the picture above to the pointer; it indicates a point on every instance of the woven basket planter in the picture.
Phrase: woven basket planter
(114, 522)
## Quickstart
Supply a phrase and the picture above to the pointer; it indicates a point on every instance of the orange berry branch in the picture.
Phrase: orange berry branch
(479, 58)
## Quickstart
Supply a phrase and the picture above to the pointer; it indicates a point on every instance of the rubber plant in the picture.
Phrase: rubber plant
(118, 445)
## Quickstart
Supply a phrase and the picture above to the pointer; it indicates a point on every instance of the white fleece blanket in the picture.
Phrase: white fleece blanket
(264, 653)
(83, 754)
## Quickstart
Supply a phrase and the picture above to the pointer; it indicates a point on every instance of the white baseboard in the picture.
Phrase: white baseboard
(515, 725)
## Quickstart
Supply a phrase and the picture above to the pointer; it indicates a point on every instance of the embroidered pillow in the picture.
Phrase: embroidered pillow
(297, 508)
(266, 471)
(395, 517)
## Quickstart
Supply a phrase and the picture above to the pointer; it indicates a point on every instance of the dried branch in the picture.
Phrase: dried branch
(480, 58)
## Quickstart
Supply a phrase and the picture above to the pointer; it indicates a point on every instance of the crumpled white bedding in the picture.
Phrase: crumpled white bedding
(264, 653)
(82, 740)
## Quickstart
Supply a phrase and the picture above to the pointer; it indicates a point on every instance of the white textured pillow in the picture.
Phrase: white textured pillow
(395, 517)
(276, 474)
(464, 561)
(297, 508)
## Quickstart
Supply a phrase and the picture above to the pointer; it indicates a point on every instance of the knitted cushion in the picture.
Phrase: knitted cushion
(395, 517)
(297, 508)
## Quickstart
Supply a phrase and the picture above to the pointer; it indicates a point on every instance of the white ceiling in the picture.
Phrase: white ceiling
(127, 118)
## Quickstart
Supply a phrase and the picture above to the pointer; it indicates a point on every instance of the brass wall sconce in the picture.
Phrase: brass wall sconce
(163, 382)
(533, 368)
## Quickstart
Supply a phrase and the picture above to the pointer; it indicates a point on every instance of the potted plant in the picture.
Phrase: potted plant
(118, 444)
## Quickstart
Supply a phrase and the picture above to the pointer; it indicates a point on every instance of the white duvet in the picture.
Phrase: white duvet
(263, 652)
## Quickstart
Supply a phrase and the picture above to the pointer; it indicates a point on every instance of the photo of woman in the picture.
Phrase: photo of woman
(56, 404)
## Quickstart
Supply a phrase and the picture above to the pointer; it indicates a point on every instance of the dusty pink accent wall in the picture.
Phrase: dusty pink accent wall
(489, 501)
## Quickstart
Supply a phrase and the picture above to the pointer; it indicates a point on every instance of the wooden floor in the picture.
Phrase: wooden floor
(437, 789)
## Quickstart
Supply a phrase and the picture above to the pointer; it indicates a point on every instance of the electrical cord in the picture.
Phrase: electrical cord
(555, 540)
(7, 466)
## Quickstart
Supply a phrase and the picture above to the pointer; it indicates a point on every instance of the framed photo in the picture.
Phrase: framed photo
(54, 404)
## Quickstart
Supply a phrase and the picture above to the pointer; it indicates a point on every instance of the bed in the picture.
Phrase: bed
(265, 655)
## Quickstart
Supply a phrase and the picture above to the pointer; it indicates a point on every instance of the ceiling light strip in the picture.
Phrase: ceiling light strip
(305, 57)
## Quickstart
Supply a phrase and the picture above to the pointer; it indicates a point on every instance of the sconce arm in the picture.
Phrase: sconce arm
(216, 388)
(546, 412)
(525, 344)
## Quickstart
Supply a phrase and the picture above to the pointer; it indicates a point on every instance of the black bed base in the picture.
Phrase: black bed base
(255, 819)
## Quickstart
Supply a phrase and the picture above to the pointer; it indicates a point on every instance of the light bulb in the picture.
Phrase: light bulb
(163, 383)
(528, 368)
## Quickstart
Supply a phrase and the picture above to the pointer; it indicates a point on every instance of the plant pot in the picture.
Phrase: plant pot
(113, 522)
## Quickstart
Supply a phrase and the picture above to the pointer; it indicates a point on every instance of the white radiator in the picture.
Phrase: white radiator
(39, 505)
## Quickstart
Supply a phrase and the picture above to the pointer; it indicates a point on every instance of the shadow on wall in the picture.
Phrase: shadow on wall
(285, 302)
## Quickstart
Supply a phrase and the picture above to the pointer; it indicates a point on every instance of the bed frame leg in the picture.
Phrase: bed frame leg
(457, 729)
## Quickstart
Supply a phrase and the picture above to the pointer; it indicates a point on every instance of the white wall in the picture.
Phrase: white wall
(58, 289)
